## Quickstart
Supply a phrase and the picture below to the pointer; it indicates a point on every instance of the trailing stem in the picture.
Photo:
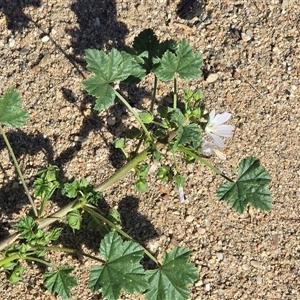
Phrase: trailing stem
(18, 170)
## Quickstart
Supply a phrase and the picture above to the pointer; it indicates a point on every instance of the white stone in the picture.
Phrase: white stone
(220, 256)
(212, 78)
(45, 39)
(11, 42)
(189, 219)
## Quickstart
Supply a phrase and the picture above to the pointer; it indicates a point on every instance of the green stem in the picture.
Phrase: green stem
(91, 209)
(204, 161)
(159, 124)
(175, 97)
(130, 108)
(122, 172)
(154, 93)
(44, 262)
(18, 169)
(8, 259)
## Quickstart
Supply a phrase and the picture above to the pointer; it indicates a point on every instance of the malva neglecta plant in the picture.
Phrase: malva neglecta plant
(163, 136)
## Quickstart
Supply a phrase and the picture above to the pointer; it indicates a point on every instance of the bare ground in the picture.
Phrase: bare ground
(253, 50)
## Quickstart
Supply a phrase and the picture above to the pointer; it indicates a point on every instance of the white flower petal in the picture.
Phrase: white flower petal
(225, 130)
(221, 118)
(218, 141)
(211, 115)
(207, 147)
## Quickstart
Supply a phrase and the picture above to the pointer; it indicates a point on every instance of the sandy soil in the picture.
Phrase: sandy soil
(251, 55)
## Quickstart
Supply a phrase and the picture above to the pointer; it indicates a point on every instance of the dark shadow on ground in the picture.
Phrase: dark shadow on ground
(140, 228)
(12, 194)
(97, 27)
(13, 10)
(134, 223)
(188, 9)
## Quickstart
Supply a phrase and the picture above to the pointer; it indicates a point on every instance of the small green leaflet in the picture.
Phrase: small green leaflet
(250, 187)
(122, 269)
(189, 134)
(47, 182)
(10, 112)
(113, 67)
(60, 281)
(171, 280)
(147, 46)
(175, 116)
(16, 274)
(74, 219)
(184, 62)
(27, 228)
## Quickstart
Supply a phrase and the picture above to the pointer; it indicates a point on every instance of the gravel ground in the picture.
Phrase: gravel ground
(251, 57)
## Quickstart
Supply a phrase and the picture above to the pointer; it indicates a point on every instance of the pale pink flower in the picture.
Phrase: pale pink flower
(215, 127)
(209, 148)
(181, 195)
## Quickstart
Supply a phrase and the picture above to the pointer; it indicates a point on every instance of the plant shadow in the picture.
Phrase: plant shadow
(133, 223)
(97, 27)
(16, 20)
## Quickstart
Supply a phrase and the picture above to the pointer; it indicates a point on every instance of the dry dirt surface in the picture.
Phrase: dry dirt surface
(251, 52)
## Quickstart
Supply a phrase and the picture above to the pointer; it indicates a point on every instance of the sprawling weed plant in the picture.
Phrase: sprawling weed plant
(165, 136)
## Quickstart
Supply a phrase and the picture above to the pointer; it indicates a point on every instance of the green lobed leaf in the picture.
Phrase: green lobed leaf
(190, 134)
(175, 115)
(122, 269)
(184, 62)
(109, 67)
(147, 46)
(104, 93)
(10, 112)
(71, 189)
(250, 187)
(27, 228)
(60, 281)
(171, 280)
(54, 234)
(112, 67)
(74, 219)
(47, 181)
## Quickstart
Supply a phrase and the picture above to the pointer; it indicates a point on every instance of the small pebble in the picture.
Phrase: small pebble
(256, 264)
(45, 60)
(11, 42)
(15, 185)
(220, 256)
(78, 138)
(207, 287)
(24, 51)
(189, 219)
(97, 22)
(111, 121)
(153, 246)
(201, 231)
(247, 36)
(212, 78)
(45, 39)
(259, 279)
